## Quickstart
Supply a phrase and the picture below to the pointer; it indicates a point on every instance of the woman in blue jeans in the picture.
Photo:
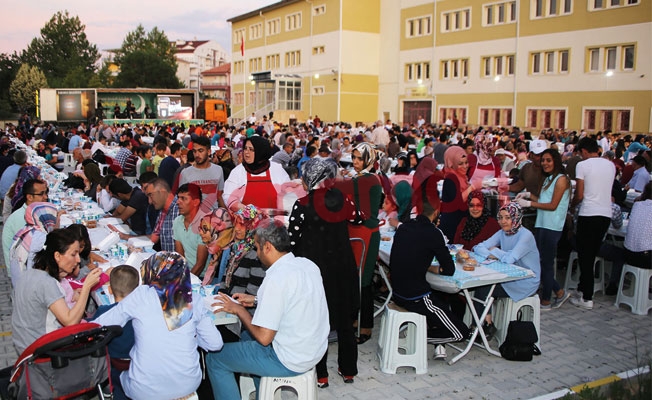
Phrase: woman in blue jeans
(552, 205)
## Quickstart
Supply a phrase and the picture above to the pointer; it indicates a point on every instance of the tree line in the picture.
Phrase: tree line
(63, 57)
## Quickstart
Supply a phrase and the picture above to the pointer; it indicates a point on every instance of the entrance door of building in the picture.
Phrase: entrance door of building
(413, 109)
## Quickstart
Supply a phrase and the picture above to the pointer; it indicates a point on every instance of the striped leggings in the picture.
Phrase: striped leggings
(443, 325)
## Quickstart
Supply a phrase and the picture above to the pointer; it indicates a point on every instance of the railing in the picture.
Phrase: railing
(241, 116)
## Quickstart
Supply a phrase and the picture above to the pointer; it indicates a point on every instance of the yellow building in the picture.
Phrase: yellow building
(573, 64)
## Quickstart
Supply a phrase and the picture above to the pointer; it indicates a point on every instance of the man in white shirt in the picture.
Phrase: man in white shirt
(288, 333)
(252, 119)
(380, 136)
(595, 177)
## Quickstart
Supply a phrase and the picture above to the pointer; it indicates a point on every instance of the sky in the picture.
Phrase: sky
(107, 23)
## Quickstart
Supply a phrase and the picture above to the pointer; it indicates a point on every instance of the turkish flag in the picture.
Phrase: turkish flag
(242, 46)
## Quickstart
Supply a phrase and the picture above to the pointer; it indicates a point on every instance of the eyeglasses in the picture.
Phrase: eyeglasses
(43, 193)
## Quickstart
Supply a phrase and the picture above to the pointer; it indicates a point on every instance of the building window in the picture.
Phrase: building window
(554, 62)
(273, 26)
(293, 58)
(602, 119)
(318, 50)
(597, 5)
(289, 93)
(238, 34)
(486, 66)
(499, 13)
(318, 91)
(550, 8)
(456, 20)
(293, 22)
(420, 26)
(495, 116)
(319, 10)
(238, 98)
(256, 64)
(273, 61)
(628, 58)
(238, 67)
(453, 112)
(611, 58)
(455, 69)
(500, 65)
(563, 61)
(256, 31)
(416, 71)
(546, 118)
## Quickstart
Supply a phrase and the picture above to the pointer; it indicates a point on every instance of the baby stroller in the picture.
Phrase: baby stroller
(64, 364)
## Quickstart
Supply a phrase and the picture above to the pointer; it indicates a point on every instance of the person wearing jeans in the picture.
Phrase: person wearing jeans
(288, 333)
(552, 205)
(593, 190)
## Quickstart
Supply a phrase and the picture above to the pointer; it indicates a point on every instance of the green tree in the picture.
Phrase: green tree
(23, 89)
(104, 78)
(9, 65)
(146, 59)
(63, 52)
(142, 68)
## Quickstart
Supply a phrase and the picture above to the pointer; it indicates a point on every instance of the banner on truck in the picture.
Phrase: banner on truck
(75, 104)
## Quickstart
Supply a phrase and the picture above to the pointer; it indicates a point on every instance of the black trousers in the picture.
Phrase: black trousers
(347, 352)
(590, 234)
(443, 325)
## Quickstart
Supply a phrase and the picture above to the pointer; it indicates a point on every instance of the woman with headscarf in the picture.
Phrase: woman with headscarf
(169, 323)
(92, 178)
(41, 219)
(318, 231)
(256, 180)
(512, 244)
(479, 225)
(401, 195)
(216, 231)
(483, 163)
(455, 191)
(426, 168)
(244, 272)
(366, 190)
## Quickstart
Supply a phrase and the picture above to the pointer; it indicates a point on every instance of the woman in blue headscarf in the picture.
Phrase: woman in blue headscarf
(169, 323)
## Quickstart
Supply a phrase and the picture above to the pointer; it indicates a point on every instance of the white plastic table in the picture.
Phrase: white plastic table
(464, 281)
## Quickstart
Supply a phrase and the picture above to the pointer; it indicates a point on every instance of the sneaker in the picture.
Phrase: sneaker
(322, 383)
(581, 303)
(575, 294)
(440, 352)
(346, 378)
(545, 307)
(559, 301)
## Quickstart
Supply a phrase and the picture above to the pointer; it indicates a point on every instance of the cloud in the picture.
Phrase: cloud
(106, 26)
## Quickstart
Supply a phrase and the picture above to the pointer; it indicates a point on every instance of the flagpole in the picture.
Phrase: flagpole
(244, 77)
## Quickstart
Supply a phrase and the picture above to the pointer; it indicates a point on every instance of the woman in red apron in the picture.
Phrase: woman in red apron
(257, 180)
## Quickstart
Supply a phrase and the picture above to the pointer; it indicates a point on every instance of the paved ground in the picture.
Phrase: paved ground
(578, 346)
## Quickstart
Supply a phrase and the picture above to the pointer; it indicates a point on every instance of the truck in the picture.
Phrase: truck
(139, 105)
(213, 110)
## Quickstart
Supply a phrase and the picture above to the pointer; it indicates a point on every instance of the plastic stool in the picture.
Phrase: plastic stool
(247, 386)
(572, 281)
(305, 385)
(131, 180)
(414, 344)
(639, 301)
(506, 310)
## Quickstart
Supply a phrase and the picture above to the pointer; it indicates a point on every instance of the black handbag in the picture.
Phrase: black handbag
(519, 345)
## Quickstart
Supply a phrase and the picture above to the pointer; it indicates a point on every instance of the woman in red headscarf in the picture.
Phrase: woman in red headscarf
(456, 190)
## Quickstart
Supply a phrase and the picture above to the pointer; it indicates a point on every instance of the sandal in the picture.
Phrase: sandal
(363, 338)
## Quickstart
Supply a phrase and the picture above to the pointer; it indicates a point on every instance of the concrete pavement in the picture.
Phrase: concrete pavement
(578, 346)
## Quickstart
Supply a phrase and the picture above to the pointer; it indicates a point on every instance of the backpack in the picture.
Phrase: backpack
(519, 345)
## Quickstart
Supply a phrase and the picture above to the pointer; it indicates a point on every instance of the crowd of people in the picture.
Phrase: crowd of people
(212, 199)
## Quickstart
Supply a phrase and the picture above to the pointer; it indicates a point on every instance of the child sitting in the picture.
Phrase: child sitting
(124, 279)
(161, 148)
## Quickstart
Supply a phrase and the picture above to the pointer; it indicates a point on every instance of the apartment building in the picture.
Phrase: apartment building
(195, 57)
(571, 64)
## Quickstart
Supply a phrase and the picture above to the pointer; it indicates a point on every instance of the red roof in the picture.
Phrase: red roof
(219, 70)
(188, 46)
